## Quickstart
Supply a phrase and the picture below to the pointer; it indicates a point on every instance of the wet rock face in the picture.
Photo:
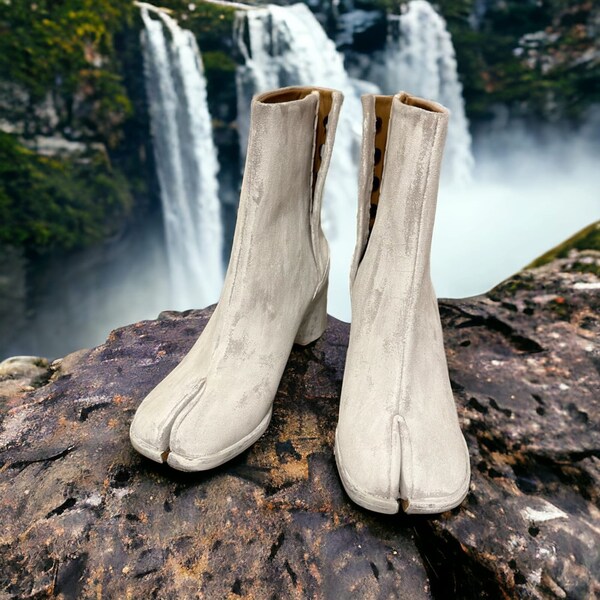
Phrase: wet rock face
(83, 515)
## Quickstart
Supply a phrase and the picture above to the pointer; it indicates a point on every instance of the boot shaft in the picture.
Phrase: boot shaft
(402, 148)
(290, 142)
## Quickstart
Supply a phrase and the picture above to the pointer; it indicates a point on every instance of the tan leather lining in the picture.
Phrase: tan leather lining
(285, 95)
(383, 108)
(325, 103)
(420, 103)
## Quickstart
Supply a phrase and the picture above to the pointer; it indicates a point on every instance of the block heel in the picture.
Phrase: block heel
(314, 322)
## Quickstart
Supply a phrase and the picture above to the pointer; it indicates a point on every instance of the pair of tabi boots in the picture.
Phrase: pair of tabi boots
(398, 438)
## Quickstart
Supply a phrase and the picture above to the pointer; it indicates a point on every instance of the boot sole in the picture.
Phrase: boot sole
(151, 452)
(207, 462)
(390, 506)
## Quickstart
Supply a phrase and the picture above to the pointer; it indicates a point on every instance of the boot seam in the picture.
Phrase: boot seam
(323, 280)
(362, 211)
(317, 182)
(403, 397)
(312, 184)
(405, 435)
(410, 327)
(396, 456)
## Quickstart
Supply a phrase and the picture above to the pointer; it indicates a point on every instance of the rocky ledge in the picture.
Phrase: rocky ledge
(83, 515)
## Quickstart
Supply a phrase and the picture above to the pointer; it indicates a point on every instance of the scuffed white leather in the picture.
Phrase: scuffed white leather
(398, 435)
(218, 400)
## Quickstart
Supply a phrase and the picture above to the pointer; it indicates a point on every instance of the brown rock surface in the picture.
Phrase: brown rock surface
(83, 515)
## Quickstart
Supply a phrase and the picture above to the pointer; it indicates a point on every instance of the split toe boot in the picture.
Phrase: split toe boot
(218, 400)
(398, 440)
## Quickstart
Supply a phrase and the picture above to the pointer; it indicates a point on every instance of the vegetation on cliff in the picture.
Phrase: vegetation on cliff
(64, 54)
(538, 57)
(62, 78)
(213, 27)
(51, 202)
(72, 69)
(586, 239)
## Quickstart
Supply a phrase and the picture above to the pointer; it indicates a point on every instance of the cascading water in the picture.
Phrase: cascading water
(420, 59)
(285, 46)
(186, 159)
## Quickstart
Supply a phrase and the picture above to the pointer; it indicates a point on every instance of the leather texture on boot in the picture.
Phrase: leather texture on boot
(398, 435)
(218, 400)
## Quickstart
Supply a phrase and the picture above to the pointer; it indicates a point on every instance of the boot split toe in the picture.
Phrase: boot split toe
(398, 440)
(218, 400)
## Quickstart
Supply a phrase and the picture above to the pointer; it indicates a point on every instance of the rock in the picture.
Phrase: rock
(22, 367)
(584, 244)
(57, 145)
(84, 515)
(22, 373)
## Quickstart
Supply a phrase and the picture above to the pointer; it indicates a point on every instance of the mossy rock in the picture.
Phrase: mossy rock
(586, 239)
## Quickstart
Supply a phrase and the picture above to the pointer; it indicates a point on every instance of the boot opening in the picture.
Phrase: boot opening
(325, 103)
(383, 107)
(286, 95)
(420, 103)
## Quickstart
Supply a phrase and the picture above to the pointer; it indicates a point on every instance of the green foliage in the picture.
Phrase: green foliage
(76, 53)
(65, 49)
(68, 52)
(220, 69)
(218, 61)
(548, 78)
(56, 203)
(212, 25)
(552, 79)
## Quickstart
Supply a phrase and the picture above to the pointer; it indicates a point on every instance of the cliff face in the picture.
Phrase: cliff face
(75, 152)
(538, 60)
(84, 515)
(76, 161)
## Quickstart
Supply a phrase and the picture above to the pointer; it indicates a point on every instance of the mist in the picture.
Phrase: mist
(532, 189)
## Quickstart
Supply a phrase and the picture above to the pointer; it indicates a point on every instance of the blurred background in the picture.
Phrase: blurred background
(123, 130)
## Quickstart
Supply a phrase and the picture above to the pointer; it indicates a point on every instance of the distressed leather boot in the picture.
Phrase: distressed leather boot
(218, 400)
(398, 438)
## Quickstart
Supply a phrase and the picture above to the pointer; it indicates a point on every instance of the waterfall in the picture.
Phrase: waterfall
(284, 46)
(420, 59)
(186, 159)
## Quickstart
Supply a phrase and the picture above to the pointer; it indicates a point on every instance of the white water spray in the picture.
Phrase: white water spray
(420, 59)
(285, 46)
(186, 159)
